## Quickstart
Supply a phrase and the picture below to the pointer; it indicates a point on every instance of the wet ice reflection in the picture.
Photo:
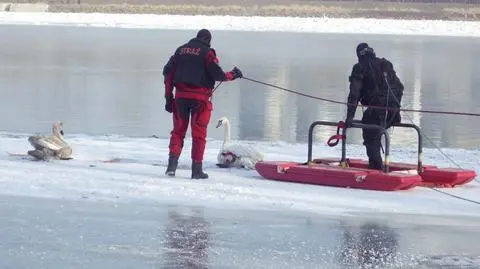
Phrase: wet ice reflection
(89, 234)
(371, 246)
(251, 239)
(187, 240)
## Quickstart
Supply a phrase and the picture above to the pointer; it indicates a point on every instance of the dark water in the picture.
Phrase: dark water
(104, 81)
(88, 234)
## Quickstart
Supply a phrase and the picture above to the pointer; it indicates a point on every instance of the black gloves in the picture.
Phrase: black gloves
(237, 73)
(397, 118)
(350, 116)
(169, 104)
(350, 112)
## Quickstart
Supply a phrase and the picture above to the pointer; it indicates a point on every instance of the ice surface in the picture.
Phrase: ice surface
(52, 233)
(135, 178)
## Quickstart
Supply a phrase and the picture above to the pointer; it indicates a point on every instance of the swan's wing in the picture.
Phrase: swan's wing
(45, 143)
(59, 142)
(244, 151)
(254, 152)
(257, 153)
(64, 153)
(33, 140)
(246, 156)
(238, 149)
(247, 163)
(51, 142)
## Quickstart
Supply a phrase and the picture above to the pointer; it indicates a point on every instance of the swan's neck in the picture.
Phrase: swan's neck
(57, 134)
(226, 138)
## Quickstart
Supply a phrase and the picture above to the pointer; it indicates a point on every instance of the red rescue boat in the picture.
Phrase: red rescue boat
(354, 173)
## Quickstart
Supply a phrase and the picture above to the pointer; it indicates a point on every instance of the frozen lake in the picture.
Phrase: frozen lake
(106, 86)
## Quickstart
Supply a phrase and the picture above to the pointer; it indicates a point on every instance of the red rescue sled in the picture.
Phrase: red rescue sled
(354, 173)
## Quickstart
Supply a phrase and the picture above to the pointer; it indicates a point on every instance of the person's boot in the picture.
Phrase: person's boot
(172, 165)
(197, 172)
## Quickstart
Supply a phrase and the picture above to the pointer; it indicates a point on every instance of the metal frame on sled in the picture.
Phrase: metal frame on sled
(358, 124)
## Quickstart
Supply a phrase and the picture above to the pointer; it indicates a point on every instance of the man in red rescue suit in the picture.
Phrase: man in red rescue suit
(192, 70)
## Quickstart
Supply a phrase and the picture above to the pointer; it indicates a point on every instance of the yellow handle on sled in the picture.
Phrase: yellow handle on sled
(344, 164)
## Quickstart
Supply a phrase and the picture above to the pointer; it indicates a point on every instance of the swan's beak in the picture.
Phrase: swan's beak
(219, 123)
(61, 132)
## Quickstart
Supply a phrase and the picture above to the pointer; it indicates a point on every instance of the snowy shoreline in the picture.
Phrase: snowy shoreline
(238, 23)
(422, 10)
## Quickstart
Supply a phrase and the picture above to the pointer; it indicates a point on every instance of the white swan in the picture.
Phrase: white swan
(236, 155)
(52, 146)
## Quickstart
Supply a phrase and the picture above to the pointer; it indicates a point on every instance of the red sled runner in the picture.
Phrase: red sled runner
(354, 173)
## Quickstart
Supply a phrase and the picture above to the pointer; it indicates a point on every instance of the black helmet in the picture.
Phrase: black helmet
(204, 35)
(363, 50)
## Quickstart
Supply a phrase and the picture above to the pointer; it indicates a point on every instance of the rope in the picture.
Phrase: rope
(391, 109)
(218, 85)
(456, 196)
(431, 142)
(371, 106)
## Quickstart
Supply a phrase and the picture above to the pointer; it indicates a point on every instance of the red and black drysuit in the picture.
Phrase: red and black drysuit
(192, 70)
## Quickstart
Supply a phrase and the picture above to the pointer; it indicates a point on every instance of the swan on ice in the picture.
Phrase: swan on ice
(52, 146)
(236, 155)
